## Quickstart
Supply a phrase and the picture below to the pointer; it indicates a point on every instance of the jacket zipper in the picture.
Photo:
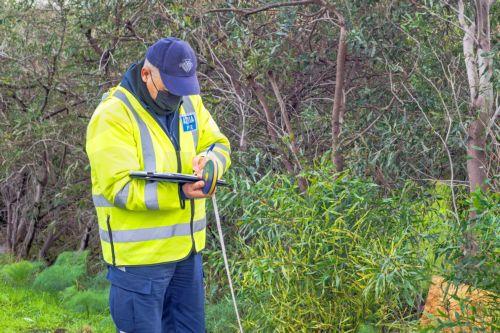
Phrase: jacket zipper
(176, 145)
(179, 170)
(110, 233)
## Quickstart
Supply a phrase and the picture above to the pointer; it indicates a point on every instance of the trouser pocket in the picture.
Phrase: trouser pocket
(121, 308)
(124, 290)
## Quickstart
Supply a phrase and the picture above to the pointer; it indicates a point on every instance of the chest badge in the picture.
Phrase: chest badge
(188, 122)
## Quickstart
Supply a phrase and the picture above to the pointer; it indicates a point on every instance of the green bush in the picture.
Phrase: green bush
(88, 301)
(348, 255)
(69, 258)
(344, 255)
(96, 282)
(482, 268)
(90, 296)
(69, 268)
(20, 273)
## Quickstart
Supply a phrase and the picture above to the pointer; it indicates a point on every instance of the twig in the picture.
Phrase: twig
(247, 12)
(445, 145)
(53, 113)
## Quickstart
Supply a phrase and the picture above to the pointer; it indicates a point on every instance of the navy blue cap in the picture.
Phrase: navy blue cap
(176, 61)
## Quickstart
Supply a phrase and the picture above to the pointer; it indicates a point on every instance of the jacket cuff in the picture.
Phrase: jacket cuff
(183, 195)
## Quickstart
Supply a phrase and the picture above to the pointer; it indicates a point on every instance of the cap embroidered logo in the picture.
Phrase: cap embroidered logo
(186, 65)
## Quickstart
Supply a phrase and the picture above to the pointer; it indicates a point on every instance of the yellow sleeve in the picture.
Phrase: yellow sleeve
(112, 151)
(210, 134)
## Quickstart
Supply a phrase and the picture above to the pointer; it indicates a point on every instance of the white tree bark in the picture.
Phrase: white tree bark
(479, 65)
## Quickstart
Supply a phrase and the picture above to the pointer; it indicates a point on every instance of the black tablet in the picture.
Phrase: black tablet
(170, 177)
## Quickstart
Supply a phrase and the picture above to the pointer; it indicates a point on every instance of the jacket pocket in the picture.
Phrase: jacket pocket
(110, 234)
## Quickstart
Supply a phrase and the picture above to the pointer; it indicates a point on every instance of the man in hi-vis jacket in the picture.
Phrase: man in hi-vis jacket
(152, 232)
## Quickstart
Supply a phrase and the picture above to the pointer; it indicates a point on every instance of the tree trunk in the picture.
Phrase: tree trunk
(479, 66)
(476, 162)
(42, 254)
(338, 95)
(9, 227)
(84, 242)
(338, 102)
(30, 234)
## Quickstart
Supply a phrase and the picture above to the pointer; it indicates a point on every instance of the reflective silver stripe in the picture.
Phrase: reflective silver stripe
(188, 107)
(151, 195)
(148, 154)
(147, 234)
(222, 147)
(122, 196)
(104, 96)
(199, 225)
(221, 158)
(100, 201)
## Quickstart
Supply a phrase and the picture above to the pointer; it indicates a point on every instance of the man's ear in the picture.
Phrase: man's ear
(145, 72)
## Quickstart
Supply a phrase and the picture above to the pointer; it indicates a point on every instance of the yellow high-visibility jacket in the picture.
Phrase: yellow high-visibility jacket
(146, 222)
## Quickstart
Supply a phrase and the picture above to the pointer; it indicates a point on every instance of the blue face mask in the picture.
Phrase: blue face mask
(165, 100)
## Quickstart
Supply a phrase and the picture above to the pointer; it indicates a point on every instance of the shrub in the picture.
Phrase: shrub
(69, 268)
(21, 273)
(341, 255)
(348, 255)
(72, 258)
(88, 301)
(480, 269)
(96, 282)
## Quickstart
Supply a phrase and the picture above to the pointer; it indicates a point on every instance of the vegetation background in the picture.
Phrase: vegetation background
(364, 143)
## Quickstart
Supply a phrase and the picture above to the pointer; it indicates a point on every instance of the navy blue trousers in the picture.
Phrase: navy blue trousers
(164, 298)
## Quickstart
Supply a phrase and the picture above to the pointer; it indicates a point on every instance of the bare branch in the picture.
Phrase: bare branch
(247, 12)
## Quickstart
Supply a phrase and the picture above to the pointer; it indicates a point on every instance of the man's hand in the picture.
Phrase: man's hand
(198, 165)
(194, 190)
